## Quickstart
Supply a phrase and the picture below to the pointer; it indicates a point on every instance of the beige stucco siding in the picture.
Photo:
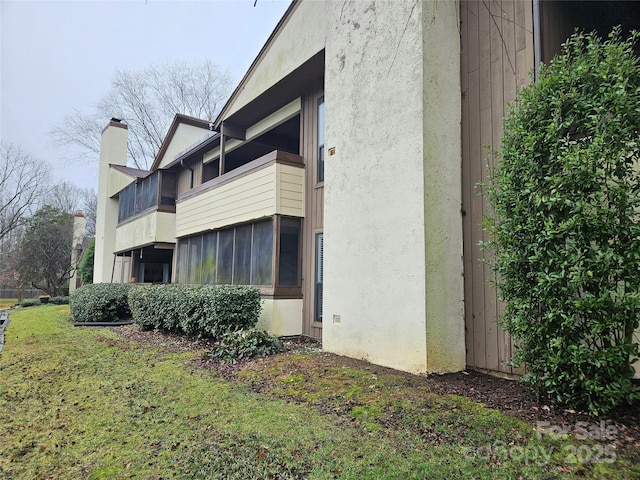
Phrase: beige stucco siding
(381, 260)
(442, 154)
(274, 189)
(302, 37)
(155, 227)
(282, 317)
(117, 181)
(185, 136)
(113, 151)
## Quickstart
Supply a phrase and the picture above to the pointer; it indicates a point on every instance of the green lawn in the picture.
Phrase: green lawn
(81, 403)
(7, 302)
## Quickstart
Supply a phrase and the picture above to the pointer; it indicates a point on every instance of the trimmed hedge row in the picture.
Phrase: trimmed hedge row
(61, 300)
(31, 302)
(100, 302)
(205, 311)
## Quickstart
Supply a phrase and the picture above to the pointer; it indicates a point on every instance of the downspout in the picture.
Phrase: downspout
(537, 38)
(113, 267)
(222, 142)
(190, 169)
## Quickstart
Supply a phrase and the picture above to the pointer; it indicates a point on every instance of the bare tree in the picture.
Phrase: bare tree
(9, 245)
(22, 182)
(71, 199)
(147, 101)
(89, 207)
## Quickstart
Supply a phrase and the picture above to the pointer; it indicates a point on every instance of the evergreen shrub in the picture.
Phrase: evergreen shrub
(565, 227)
(205, 311)
(245, 344)
(100, 302)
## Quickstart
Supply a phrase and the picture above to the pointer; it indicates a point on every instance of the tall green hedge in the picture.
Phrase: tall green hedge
(206, 311)
(566, 224)
(100, 302)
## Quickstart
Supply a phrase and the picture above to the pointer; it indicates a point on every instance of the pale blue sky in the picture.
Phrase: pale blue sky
(60, 56)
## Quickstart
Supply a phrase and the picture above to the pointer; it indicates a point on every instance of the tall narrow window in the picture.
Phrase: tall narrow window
(183, 261)
(320, 173)
(225, 257)
(195, 246)
(168, 194)
(209, 249)
(262, 253)
(242, 256)
(318, 277)
(289, 260)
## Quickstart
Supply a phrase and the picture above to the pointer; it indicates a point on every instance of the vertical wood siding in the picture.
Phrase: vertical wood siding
(496, 56)
(314, 206)
(184, 176)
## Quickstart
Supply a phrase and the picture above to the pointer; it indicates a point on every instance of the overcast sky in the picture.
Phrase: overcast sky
(60, 56)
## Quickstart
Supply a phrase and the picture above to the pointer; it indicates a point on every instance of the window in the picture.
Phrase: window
(242, 255)
(320, 173)
(183, 258)
(225, 257)
(289, 259)
(318, 276)
(195, 263)
(143, 194)
(209, 249)
(262, 254)
(168, 194)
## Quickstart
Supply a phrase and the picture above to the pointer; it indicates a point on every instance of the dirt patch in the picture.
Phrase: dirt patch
(303, 359)
(153, 338)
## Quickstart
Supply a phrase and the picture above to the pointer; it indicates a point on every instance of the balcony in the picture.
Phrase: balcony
(272, 184)
(146, 212)
(150, 227)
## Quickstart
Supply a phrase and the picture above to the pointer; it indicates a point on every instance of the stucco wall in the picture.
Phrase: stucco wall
(117, 181)
(282, 317)
(155, 227)
(185, 136)
(113, 150)
(442, 144)
(382, 262)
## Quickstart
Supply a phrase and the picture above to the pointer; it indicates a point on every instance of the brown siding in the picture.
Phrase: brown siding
(497, 54)
(314, 207)
(184, 175)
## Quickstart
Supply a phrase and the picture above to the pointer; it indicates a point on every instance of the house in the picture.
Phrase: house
(339, 178)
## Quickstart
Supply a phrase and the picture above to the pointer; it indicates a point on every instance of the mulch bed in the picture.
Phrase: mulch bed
(507, 396)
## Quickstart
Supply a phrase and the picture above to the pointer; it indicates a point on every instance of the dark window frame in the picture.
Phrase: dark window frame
(145, 195)
(273, 288)
(320, 151)
(318, 276)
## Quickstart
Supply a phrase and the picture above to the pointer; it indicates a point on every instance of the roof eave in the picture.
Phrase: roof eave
(252, 67)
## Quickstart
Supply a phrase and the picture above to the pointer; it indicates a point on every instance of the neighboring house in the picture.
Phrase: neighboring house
(339, 178)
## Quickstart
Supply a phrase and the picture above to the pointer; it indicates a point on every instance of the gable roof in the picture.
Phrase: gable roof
(205, 143)
(254, 64)
(177, 120)
(132, 172)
